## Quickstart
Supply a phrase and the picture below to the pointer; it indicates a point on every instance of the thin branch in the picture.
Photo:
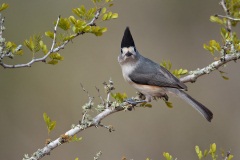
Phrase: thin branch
(228, 17)
(52, 50)
(229, 24)
(55, 34)
(228, 154)
(1, 38)
(192, 77)
(38, 59)
(40, 153)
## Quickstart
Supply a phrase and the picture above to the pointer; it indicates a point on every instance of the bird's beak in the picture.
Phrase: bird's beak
(128, 54)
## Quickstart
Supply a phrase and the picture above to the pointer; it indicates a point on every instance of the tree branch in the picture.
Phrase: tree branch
(229, 24)
(40, 153)
(52, 50)
(228, 17)
(211, 67)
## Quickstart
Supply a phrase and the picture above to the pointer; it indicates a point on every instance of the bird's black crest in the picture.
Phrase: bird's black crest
(127, 39)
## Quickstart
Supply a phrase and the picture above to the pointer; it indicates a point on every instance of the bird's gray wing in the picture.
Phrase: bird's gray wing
(151, 73)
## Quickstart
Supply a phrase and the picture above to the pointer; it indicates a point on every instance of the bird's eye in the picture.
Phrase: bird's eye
(134, 49)
(121, 51)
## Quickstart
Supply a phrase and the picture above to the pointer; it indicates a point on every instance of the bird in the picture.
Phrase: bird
(151, 79)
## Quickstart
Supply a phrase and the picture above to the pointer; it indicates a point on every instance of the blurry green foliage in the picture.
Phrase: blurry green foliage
(75, 138)
(177, 72)
(119, 97)
(33, 44)
(212, 47)
(145, 104)
(229, 38)
(4, 6)
(50, 124)
(167, 156)
(83, 21)
(212, 152)
(169, 104)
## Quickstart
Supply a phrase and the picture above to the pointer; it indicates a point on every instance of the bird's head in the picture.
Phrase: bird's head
(128, 54)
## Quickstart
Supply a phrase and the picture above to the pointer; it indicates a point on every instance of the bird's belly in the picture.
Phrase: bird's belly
(148, 90)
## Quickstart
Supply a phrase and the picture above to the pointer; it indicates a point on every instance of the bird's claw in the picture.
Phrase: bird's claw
(133, 102)
(165, 97)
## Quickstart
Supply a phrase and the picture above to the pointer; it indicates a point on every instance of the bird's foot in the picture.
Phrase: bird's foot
(165, 97)
(134, 102)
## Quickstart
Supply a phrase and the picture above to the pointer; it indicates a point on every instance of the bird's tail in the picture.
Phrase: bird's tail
(194, 103)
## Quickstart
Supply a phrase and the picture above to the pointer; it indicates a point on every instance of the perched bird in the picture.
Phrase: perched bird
(151, 79)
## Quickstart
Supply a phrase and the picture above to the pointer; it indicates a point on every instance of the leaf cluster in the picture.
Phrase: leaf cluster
(83, 21)
(229, 38)
(177, 72)
(212, 151)
(50, 124)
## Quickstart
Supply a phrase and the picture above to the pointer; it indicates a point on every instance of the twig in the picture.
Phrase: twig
(103, 103)
(228, 17)
(228, 154)
(55, 34)
(40, 153)
(229, 24)
(192, 77)
(52, 50)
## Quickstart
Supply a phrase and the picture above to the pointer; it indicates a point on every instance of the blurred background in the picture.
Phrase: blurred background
(163, 30)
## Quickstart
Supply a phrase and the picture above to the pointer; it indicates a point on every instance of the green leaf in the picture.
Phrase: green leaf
(49, 34)
(75, 138)
(199, 152)
(56, 56)
(64, 24)
(104, 17)
(50, 124)
(109, 15)
(69, 37)
(72, 19)
(114, 15)
(213, 148)
(110, 5)
(80, 12)
(167, 156)
(104, 9)
(103, 29)
(145, 104)
(119, 96)
(148, 105)
(216, 19)
(33, 43)
(213, 46)
(43, 47)
(169, 104)
(230, 157)
(4, 6)
(205, 153)
(53, 62)
(180, 71)
(19, 52)
(222, 74)
(224, 77)
(166, 64)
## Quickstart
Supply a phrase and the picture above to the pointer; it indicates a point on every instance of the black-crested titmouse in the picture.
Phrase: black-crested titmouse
(150, 78)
